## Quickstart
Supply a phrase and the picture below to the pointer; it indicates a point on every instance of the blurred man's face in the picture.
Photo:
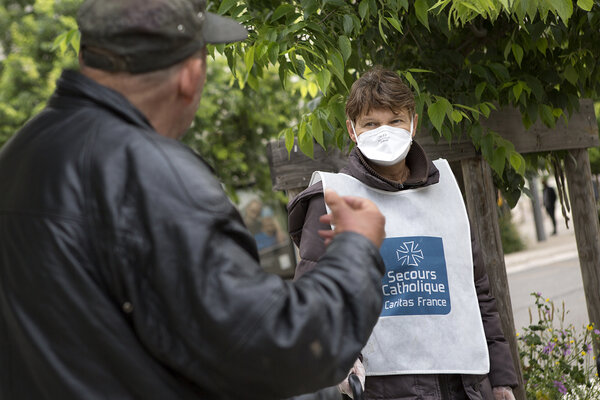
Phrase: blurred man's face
(189, 112)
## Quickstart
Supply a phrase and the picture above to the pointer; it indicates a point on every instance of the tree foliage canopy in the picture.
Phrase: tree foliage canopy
(463, 59)
(39, 38)
(27, 74)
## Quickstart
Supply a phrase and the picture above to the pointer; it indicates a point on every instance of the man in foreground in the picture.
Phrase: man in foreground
(125, 272)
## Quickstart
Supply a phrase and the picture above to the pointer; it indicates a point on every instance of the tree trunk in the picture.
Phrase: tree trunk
(587, 230)
(483, 216)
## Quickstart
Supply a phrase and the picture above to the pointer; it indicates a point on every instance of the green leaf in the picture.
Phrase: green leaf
(289, 139)
(438, 111)
(480, 71)
(564, 9)
(75, 40)
(532, 112)
(474, 111)
(498, 160)
(317, 130)
(260, 51)
(520, 9)
(479, 90)
(337, 61)
(517, 90)
(544, 9)
(345, 47)
(305, 141)
(505, 4)
(542, 45)
(58, 40)
(421, 8)
(336, 3)
(518, 53)
(225, 6)
(412, 81)
(310, 6)
(485, 110)
(476, 134)
(283, 73)
(585, 4)
(571, 74)
(457, 116)
(507, 50)
(323, 79)
(381, 33)
(281, 11)
(348, 24)
(323, 114)
(546, 115)
(253, 82)
(249, 58)
(313, 90)
(500, 71)
(61, 43)
(517, 162)
(336, 105)
(395, 23)
(532, 9)
(299, 65)
(363, 8)
(487, 146)
(273, 52)
(536, 87)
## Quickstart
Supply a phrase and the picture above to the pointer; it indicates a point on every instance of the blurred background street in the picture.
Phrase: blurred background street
(550, 267)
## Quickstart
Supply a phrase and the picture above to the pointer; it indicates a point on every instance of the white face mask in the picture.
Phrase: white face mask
(385, 145)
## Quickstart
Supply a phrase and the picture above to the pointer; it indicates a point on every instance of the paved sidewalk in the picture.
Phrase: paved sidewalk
(554, 249)
(552, 269)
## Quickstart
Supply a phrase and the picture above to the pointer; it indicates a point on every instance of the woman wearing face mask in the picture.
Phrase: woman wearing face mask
(439, 334)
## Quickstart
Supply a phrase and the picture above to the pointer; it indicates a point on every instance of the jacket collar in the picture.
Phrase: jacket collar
(422, 171)
(73, 85)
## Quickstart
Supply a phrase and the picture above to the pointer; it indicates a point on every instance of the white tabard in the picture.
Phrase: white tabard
(430, 320)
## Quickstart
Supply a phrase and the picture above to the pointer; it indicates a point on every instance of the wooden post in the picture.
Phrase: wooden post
(587, 230)
(290, 172)
(483, 216)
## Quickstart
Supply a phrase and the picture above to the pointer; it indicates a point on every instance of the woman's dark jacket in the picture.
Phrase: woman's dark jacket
(304, 211)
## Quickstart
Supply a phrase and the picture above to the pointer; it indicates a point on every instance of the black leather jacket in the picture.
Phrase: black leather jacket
(126, 273)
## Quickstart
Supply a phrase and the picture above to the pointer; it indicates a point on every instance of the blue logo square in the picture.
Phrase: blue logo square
(416, 278)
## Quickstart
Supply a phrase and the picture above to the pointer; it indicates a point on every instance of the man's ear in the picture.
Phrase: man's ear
(350, 130)
(415, 124)
(189, 79)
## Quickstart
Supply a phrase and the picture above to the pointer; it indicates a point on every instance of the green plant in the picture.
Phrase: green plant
(38, 38)
(462, 58)
(557, 360)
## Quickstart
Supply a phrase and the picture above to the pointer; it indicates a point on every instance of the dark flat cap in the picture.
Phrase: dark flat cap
(140, 36)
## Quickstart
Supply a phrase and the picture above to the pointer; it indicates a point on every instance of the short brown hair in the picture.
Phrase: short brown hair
(379, 88)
